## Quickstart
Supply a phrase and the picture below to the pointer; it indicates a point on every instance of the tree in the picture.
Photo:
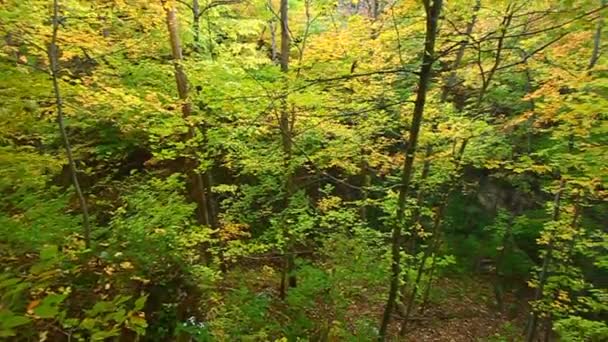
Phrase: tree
(53, 52)
(286, 122)
(432, 9)
(182, 87)
(435, 161)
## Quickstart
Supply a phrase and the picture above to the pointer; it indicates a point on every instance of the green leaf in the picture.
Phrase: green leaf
(119, 316)
(102, 335)
(14, 321)
(88, 323)
(9, 282)
(139, 303)
(49, 307)
(46, 311)
(101, 307)
(48, 252)
(138, 324)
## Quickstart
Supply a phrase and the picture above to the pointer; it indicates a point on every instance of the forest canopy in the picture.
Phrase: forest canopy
(303, 170)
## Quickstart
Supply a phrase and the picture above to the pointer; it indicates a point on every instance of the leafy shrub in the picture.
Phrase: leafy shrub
(578, 329)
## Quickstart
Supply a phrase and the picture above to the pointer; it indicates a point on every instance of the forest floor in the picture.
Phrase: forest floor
(464, 310)
(460, 309)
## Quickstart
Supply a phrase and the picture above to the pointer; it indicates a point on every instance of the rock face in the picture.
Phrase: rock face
(493, 193)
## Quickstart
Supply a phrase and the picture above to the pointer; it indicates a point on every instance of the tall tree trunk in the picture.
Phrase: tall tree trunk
(532, 324)
(595, 55)
(196, 24)
(440, 212)
(411, 242)
(426, 168)
(53, 55)
(366, 180)
(450, 83)
(532, 118)
(434, 246)
(273, 41)
(429, 282)
(285, 39)
(544, 273)
(198, 180)
(499, 277)
(430, 249)
(288, 278)
(451, 80)
(433, 9)
(376, 8)
(487, 78)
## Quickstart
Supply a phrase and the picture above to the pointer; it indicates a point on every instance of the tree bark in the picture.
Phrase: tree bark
(286, 123)
(366, 180)
(595, 55)
(53, 55)
(181, 80)
(273, 41)
(426, 168)
(429, 282)
(285, 39)
(451, 81)
(420, 271)
(433, 9)
(499, 278)
(434, 246)
(440, 212)
(487, 78)
(544, 273)
(196, 24)
(410, 244)
(375, 9)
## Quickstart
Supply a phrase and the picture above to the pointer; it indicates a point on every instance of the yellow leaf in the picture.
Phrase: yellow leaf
(126, 265)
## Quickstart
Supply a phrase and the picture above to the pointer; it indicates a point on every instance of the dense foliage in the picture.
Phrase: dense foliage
(222, 170)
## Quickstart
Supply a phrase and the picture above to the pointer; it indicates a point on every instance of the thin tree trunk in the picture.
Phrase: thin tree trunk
(487, 78)
(440, 212)
(410, 244)
(273, 41)
(429, 282)
(595, 55)
(288, 278)
(451, 81)
(444, 94)
(426, 168)
(433, 9)
(433, 248)
(538, 293)
(420, 271)
(532, 118)
(53, 54)
(285, 39)
(181, 81)
(196, 24)
(499, 271)
(544, 274)
(376, 8)
(366, 180)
